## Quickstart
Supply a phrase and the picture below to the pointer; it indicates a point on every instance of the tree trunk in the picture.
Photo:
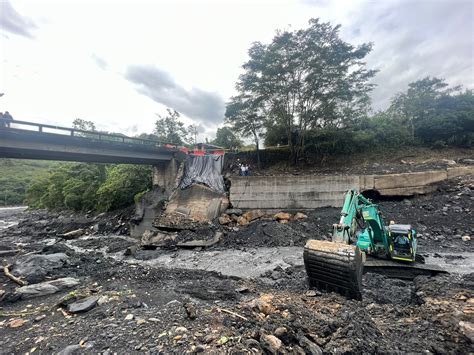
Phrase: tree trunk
(259, 165)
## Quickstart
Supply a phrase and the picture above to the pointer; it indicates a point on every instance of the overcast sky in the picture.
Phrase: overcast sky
(119, 63)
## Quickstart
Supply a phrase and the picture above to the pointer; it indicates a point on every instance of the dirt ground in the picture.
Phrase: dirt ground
(139, 304)
(388, 161)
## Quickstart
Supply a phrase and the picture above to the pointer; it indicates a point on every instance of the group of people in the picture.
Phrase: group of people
(5, 119)
(244, 170)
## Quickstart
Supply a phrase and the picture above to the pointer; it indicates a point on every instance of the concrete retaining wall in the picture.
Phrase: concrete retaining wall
(307, 192)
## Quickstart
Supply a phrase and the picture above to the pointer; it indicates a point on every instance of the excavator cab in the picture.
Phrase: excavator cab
(402, 239)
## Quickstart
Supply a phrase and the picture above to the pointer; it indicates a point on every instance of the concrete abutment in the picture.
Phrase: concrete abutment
(313, 191)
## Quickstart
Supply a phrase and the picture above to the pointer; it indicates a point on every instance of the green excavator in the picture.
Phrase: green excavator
(362, 242)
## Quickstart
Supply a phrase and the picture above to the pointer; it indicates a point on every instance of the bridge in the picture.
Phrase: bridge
(28, 140)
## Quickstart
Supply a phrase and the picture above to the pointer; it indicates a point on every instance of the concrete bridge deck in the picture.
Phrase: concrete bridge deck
(28, 140)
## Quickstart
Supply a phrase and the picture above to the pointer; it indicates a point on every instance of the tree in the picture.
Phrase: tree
(226, 138)
(122, 184)
(304, 80)
(170, 129)
(245, 116)
(84, 125)
(419, 101)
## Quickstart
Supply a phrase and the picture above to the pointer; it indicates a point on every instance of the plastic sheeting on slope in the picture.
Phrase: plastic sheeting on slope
(206, 170)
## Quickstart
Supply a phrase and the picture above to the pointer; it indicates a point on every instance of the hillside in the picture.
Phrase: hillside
(17, 175)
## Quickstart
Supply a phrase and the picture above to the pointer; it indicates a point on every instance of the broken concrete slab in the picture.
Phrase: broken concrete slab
(201, 243)
(203, 204)
(147, 209)
(46, 288)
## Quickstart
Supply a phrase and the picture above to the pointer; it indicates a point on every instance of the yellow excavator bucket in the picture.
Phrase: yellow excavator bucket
(335, 267)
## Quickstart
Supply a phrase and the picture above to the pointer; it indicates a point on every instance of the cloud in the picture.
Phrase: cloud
(412, 40)
(101, 63)
(11, 21)
(202, 106)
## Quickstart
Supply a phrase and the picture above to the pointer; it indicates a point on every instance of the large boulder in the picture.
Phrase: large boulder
(253, 215)
(34, 268)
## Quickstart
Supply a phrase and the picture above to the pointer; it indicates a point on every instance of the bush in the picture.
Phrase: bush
(122, 184)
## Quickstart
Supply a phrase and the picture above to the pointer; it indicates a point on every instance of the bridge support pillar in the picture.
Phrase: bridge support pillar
(165, 176)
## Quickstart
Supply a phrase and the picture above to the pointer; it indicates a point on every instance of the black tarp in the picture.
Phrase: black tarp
(206, 170)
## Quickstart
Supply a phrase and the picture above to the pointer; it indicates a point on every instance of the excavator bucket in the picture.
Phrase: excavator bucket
(334, 267)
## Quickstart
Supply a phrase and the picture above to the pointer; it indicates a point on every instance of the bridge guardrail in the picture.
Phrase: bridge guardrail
(73, 132)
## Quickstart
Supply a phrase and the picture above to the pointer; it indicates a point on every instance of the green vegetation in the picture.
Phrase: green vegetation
(309, 90)
(85, 187)
(227, 139)
(17, 175)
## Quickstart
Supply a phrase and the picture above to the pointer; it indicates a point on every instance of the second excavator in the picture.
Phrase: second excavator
(361, 240)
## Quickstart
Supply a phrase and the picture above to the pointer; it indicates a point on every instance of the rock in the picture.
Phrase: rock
(222, 340)
(309, 346)
(449, 162)
(242, 289)
(467, 328)
(129, 317)
(281, 332)
(40, 318)
(140, 321)
(199, 348)
(154, 320)
(465, 238)
(70, 349)
(270, 343)
(253, 215)
(16, 323)
(224, 219)
(76, 349)
(282, 216)
(252, 343)
(46, 288)
(263, 304)
(84, 305)
(310, 293)
(283, 221)
(190, 310)
(180, 330)
(300, 216)
(34, 268)
(234, 211)
(158, 238)
(73, 234)
(242, 221)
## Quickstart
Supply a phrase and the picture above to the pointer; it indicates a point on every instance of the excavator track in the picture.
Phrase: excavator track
(399, 270)
(334, 267)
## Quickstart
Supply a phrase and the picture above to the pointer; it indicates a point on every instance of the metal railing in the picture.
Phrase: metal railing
(73, 132)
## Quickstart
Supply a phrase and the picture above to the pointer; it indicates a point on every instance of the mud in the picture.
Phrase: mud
(241, 294)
